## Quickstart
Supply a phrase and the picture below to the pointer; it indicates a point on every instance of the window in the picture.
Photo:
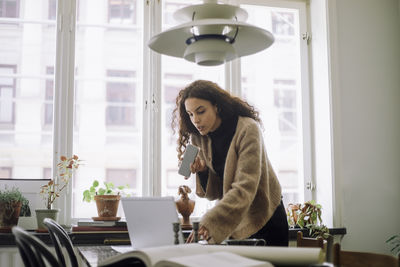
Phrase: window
(5, 172)
(9, 8)
(7, 94)
(115, 113)
(283, 23)
(273, 81)
(27, 49)
(285, 98)
(120, 97)
(122, 11)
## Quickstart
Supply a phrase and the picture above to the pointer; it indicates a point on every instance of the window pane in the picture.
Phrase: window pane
(108, 93)
(176, 74)
(26, 50)
(271, 82)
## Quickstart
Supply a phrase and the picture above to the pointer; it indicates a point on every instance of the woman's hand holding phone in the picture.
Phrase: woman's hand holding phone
(198, 165)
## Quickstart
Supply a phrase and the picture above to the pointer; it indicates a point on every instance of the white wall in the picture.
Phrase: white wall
(365, 56)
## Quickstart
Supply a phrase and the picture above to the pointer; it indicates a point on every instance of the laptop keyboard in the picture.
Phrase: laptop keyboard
(97, 253)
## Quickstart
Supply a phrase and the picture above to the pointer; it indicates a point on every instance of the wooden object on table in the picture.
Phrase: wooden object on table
(309, 241)
(318, 242)
(361, 259)
(185, 206)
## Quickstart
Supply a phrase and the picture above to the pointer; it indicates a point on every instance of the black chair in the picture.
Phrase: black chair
(33, 251)
(60, 238)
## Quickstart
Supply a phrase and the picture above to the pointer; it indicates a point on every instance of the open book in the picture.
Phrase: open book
(196, 255)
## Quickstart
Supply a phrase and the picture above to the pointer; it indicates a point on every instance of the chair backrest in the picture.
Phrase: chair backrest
(318, 242)
(343, 258)
(33, 251)
(60, 238)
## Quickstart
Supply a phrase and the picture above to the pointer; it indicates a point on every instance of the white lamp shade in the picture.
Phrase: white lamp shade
(200, 52)
(210, 11)
(249, 40)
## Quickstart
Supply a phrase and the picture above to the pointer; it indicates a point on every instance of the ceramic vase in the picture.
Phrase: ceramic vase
(41, 214)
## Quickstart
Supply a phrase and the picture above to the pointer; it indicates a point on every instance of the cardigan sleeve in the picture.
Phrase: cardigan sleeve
(241, 178)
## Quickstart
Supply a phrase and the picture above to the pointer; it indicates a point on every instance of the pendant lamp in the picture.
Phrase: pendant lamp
(211, 34)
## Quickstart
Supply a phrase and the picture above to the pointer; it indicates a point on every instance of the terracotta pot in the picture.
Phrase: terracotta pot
(107, 205)
(9, 214)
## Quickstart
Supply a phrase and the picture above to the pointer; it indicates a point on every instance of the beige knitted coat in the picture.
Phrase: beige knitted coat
(249, 192)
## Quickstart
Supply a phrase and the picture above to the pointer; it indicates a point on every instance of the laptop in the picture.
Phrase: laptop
(150, 221)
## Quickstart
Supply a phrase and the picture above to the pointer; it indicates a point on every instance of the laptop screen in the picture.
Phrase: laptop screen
(150, 221)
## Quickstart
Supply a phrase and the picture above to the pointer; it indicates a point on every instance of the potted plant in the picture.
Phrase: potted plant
(107, 199)
(11, 201)
(308, 215)
(53, 189)
(394, 242)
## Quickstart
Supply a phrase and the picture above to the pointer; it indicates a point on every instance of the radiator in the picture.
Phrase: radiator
(9, 257)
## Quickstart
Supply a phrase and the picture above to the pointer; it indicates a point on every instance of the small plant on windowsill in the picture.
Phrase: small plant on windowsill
(12, 205)
(52, 190)
(107, 199)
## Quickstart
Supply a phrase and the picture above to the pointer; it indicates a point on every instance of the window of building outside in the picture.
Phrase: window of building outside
(9, 8)
(122, 11)
(120, 109)
(7, 95)
(5, 172)
(111, 101)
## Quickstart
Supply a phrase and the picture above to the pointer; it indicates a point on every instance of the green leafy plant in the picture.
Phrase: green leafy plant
(66, 167)
(394, 241)
(9, 196)
(308, 215)
(109, 189)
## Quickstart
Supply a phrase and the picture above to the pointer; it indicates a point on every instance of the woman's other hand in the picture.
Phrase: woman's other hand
(203, 234)
(198, 165)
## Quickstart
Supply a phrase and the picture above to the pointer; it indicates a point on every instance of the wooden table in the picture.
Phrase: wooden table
(92, 255)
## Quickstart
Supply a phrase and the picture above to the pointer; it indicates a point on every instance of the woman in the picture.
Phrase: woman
(232, 166)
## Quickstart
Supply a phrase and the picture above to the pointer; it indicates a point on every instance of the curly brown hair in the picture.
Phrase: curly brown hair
(228, 107)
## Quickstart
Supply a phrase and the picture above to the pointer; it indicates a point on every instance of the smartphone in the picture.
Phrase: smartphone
(188, 157)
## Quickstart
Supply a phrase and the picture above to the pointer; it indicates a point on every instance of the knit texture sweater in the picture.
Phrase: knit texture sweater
(249, 192)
